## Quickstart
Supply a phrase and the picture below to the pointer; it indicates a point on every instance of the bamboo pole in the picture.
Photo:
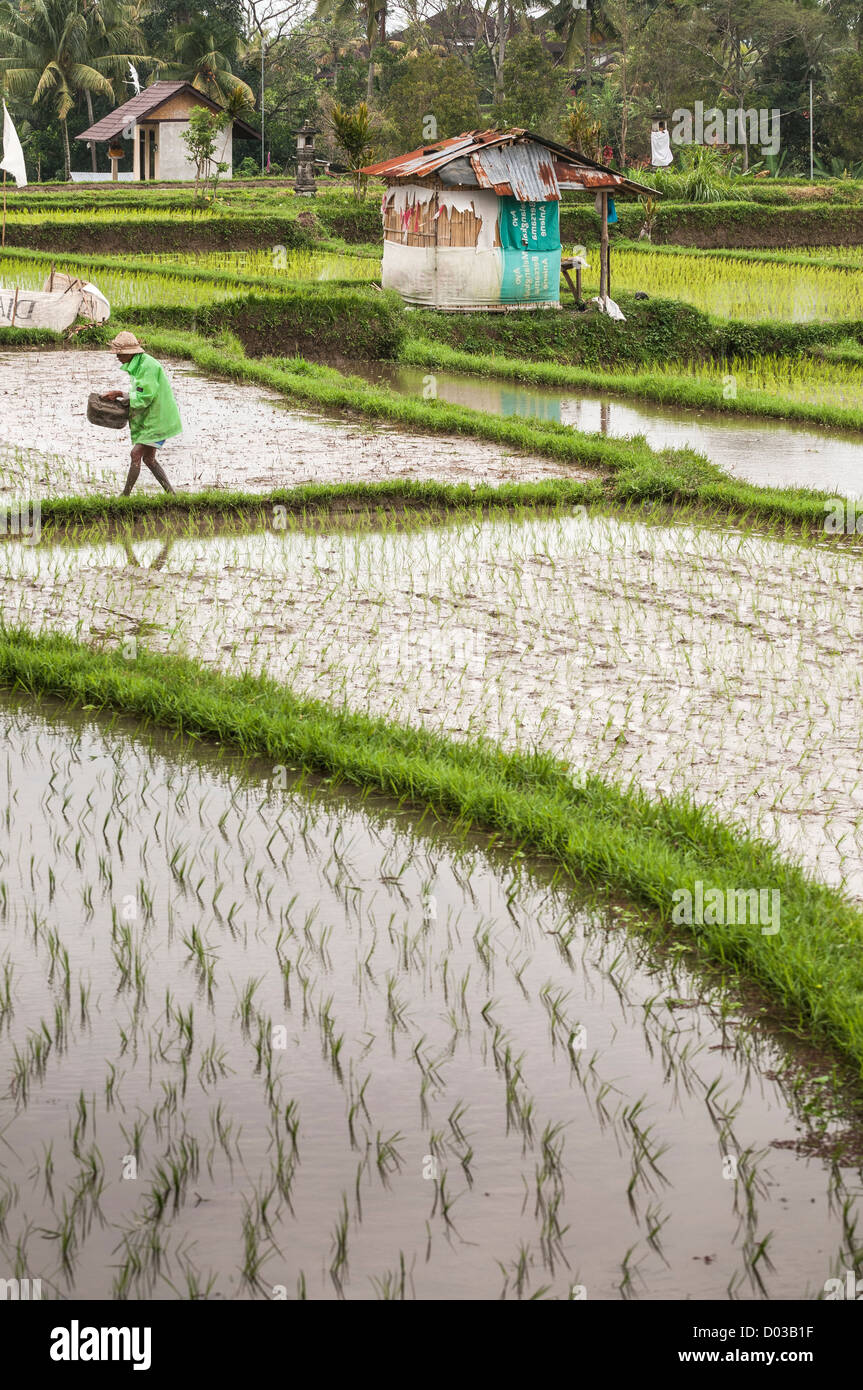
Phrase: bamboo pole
(3, 240)
(603, 250)
(14, 306)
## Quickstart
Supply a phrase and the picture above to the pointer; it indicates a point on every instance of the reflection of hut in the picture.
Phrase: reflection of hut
(473, 222)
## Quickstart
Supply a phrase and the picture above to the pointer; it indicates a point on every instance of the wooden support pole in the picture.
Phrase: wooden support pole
(603, 250)
(14, 306)
(3, 239)
(578, 282)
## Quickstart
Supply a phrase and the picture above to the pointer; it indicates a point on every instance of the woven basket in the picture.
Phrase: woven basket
(113, 415)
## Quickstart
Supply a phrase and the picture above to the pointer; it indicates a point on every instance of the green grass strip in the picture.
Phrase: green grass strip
(177, 270)
(678, 391)
(318, 497)
(825, 262)
(605, 836)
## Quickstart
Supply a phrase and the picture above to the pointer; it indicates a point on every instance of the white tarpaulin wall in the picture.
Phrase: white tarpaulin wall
(443, 275)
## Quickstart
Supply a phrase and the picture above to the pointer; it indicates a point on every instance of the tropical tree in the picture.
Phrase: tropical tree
(115, 33)
(373, 16)
(48, 55)
(206, 53)
(355, 134)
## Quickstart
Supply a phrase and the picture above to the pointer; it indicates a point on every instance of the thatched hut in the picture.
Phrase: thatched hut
(473, 222)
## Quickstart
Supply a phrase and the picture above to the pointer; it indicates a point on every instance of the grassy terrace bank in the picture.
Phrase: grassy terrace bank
(610, 838)
(634, 472)
(248, 219)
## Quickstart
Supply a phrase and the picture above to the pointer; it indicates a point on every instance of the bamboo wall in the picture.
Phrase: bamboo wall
(451, 228)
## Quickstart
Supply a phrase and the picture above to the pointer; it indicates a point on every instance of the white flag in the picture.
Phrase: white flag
(13, 155)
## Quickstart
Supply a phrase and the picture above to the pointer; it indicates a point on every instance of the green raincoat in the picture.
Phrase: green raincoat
(153, 413)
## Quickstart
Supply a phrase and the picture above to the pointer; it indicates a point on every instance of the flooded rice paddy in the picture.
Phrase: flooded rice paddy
(760, 451)
(234, 437)
(264, 1040)
(685, 659)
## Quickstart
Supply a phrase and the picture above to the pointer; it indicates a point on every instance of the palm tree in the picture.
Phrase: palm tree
(49, 56)
(574, 23)
(372, 14)
(205, 52)
(115, 32)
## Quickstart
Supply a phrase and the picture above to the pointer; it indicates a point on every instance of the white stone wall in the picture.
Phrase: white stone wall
(174, 162)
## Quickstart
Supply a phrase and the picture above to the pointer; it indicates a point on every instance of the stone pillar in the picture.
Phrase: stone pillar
(305, 180)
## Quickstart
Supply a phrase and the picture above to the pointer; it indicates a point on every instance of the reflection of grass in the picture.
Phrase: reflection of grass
(785, 388)
(601, 834)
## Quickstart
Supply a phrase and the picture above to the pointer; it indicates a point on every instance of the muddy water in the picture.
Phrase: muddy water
(765, 451)
(200, 962)
(235, 437)
(686, 659)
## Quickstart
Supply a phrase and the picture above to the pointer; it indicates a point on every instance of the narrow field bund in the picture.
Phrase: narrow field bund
(636, 472)
(599, 834)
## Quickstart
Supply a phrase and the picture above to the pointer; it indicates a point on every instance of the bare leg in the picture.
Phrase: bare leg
(155, 468)
(134, 469)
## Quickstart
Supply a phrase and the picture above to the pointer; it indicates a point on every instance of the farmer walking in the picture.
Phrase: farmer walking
(153, 413)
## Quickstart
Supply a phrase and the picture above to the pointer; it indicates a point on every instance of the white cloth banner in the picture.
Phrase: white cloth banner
(660, 149)
(13, 155)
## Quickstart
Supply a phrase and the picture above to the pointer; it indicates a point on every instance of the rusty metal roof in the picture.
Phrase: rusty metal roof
(143, 104)
(523, 170)
(514, 162)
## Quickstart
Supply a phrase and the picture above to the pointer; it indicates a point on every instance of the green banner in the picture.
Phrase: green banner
(530, 275)
(529, 226)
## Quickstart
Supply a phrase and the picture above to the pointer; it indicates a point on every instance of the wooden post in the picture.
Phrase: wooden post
(578, 282)
(14, 306)
(51, 280)
(3, 239)
(603, 250)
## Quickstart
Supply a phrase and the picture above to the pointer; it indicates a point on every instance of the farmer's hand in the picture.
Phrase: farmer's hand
(113, 395)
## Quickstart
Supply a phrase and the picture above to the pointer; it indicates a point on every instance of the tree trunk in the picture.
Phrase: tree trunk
(67, 157)
(370, 85)
(588, 56)
(738, 49)
(383, 22)
(501, 53)
(92, 143)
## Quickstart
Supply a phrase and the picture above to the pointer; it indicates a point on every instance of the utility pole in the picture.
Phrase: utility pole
(811, 137)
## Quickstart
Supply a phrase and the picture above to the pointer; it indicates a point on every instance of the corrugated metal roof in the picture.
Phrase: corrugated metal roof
(522, 170)
(138, 107)
(507, 161)
(588, 179)
(418, 163)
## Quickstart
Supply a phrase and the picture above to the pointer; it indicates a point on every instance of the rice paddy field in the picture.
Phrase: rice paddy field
(352, 793)
(737, 289)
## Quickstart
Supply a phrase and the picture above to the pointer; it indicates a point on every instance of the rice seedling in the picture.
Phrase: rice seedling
(737, 289)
